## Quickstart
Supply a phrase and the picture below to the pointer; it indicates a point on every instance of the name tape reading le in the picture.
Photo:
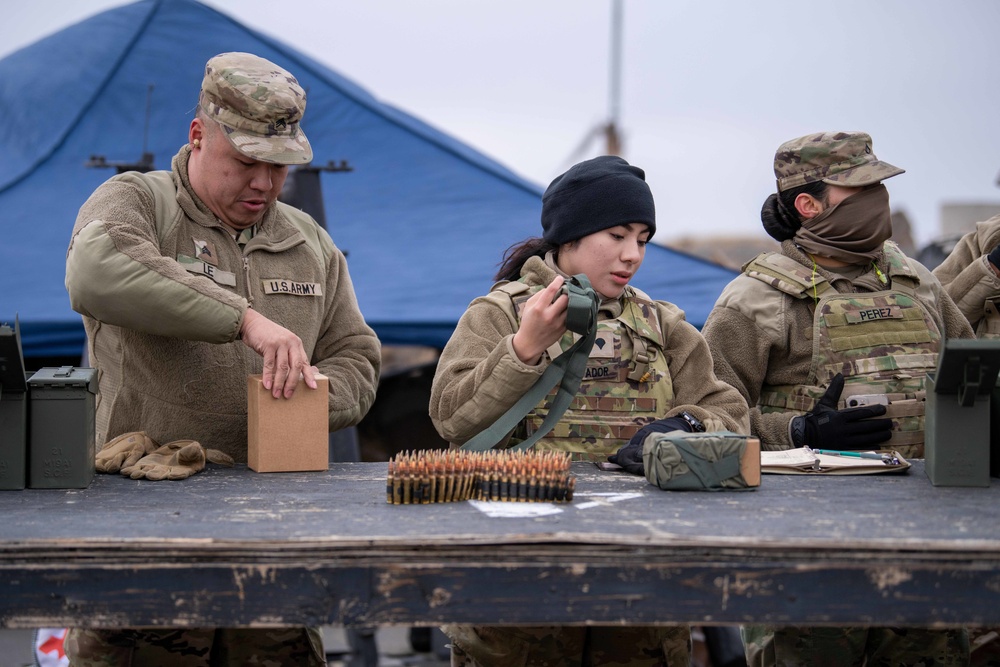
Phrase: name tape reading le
(201, 268)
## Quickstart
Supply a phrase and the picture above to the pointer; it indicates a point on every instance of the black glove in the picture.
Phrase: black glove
(994, 257)
(629, 456)
(826, 427)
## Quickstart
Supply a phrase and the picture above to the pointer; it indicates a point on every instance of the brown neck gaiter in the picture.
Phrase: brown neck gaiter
(853, 231)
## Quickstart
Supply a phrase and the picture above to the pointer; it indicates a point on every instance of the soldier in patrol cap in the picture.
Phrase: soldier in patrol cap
(192, 279)
(649, 369)
(840, 317)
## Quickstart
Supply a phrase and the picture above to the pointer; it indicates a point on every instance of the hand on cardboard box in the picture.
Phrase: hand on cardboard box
(285, 359)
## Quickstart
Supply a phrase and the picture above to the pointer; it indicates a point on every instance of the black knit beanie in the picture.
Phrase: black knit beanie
(596, 194)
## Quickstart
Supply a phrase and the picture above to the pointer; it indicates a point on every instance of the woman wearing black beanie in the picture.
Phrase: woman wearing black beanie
(648, 370)
(594, 195)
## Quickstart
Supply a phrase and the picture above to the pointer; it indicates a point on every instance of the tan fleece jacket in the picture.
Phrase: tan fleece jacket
(966, 273)
(163, 287)
(479, 376)
(760, 336)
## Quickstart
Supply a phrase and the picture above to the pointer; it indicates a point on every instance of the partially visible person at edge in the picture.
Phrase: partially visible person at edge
(971, 276)
(839, 316)
(648, 369)
(191, 280)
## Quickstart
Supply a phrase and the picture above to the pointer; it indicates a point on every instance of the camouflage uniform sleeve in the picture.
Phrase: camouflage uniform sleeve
(966, 273)
(116, 274)
(478, 375)
(742, 345)
(696, 388)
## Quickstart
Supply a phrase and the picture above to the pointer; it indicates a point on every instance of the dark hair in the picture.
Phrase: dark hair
(516, 255)
(778, 214)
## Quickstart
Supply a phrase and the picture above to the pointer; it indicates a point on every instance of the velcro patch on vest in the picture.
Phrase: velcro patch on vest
(283, 286)
(201, 268)
(630, 404)
(605, 357)
(605, 345)
(873, 314)
(597, 432)
(609, 371)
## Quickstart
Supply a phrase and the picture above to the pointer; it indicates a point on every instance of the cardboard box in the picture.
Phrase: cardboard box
(288, 434)
(750, 462)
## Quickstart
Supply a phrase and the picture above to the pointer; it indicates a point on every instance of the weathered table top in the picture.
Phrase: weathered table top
(233, 547)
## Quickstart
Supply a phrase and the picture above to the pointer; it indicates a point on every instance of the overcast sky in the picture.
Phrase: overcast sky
(710, 88)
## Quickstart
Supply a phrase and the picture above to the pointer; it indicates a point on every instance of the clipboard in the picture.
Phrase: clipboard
(805, 461)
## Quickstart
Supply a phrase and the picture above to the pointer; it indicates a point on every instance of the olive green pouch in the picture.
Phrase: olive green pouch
(679, 461)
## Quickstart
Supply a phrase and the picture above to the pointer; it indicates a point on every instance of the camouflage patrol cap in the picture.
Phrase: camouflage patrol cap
(836, 158)
(258, 105)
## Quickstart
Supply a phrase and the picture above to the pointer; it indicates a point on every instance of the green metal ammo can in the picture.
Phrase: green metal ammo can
(61, 428)
(957, 424)
(13, 410)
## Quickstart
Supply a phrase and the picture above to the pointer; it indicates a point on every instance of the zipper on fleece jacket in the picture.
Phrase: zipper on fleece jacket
(246, 276)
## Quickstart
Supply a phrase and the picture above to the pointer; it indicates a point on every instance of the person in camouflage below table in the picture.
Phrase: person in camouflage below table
(648, 367)
(971, 276)
(840, 317)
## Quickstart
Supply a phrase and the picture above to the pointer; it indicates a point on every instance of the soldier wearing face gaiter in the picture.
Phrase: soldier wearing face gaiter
(839, 317)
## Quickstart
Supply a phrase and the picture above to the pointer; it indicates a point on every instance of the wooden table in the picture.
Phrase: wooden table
(232, 547)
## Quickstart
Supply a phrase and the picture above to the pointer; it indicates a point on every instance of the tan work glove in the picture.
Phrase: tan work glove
(123, 451)
(175, 460)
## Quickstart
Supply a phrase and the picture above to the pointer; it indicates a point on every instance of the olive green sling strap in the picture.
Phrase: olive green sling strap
(566, 370)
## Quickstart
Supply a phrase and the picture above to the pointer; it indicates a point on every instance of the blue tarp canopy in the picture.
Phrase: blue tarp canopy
(424, 218)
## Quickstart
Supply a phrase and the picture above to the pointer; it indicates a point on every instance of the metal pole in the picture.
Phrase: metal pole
(614, 84)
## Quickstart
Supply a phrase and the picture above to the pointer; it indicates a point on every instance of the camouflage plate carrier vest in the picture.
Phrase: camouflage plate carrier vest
(626, 385)
(883, 342)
